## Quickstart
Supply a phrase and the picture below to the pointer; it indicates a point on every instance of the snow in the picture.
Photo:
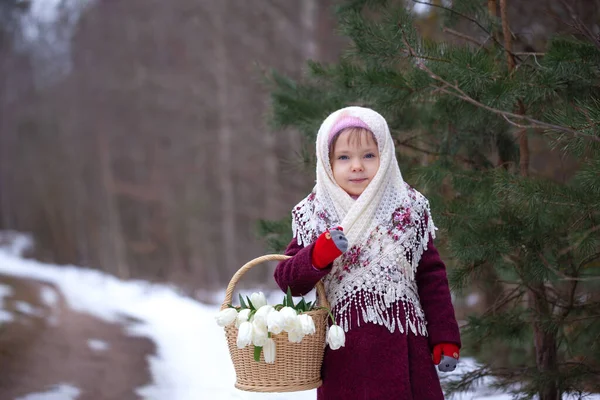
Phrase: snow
(19, 243)
(98, 345)
(6, 316)
(25, 308)
(49, 296)
(191, 361)
(61, 391)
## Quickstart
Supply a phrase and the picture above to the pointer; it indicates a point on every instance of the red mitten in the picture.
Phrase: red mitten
(329, 246)
(447, 349)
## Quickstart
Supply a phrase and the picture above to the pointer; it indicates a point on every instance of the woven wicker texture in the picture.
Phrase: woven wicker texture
(297, 365)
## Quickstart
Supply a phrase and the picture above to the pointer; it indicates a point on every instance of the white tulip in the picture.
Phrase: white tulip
(244, 337)
(242, 317)
(295, 332)
(289, 318)
(295, 336)
(275, 322)
(308, 325)
(226, 317)
(259, 333)
(336, 337)
(269, 351)
(262, 313)
(258, 300)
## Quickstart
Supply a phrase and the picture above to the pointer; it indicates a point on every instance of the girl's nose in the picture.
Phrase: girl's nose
(357, 166)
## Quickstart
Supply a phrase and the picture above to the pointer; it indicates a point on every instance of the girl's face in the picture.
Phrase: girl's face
(354, 160)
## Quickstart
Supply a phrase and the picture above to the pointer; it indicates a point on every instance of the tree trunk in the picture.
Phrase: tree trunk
(225, 139)
(544, 340)
(545, 344)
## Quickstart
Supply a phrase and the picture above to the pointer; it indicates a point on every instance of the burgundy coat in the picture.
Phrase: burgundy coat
(377, 364)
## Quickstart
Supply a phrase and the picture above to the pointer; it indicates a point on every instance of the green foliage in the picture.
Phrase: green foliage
(277, 234)
(288, 301)
(474, 11)
(533, 231)
(502, 327)
(302, 306)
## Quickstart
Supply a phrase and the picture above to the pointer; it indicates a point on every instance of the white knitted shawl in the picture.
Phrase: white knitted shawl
(388, 228)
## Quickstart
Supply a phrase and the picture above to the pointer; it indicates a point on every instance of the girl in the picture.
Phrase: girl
(388, 290)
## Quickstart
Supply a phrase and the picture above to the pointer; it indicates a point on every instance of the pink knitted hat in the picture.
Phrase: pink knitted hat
(344, 122)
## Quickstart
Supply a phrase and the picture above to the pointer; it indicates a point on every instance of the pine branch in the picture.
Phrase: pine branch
(582, 318)
(523, 142)
(519, 125)
(464, 37)
(468, 380)
(569, 308)
(528, 53)
(576, 245)
(533, 289)
(564, 276)
(405, 143)
(580, 26)
(459, 93)
(473, 20)
(507, 298)
(411, 52)
(589, 259)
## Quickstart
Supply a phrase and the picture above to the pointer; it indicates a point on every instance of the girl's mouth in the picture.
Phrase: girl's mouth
(358, 180)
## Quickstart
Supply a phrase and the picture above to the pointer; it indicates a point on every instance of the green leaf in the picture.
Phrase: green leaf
(242, 303)
(250, 305)
(301, 306)
(290, 300)
(257, 350)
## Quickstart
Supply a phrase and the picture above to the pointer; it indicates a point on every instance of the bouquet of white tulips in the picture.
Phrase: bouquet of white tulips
(257, 321)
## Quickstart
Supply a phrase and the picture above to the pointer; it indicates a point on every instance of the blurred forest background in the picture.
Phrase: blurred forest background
(134, 135)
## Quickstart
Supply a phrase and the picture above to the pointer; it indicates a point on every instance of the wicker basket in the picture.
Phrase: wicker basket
(297, 365)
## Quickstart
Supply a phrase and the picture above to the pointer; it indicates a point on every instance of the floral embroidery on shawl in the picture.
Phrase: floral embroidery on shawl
(376, 278)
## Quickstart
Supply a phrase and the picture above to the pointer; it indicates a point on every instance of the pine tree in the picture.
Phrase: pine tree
(462, 111)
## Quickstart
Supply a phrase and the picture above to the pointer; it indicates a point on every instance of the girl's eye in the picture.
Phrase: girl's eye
(370, 155)
(343, 158)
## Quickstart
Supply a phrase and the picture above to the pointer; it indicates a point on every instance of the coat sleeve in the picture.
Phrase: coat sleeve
(434, 293)
(298, 272)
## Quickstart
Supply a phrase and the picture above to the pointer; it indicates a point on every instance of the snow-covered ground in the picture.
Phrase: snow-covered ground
(192, 360)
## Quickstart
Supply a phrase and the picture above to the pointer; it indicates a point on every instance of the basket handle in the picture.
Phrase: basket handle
(321, 297)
